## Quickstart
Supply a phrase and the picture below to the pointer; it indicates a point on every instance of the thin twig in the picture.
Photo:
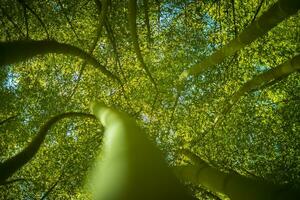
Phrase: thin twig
(8, 119)
(22, 2)
(69, 22)
(12, 22)
(257, 10)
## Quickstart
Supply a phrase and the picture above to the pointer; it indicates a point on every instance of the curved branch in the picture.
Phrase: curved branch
(93, 47)
(9, 18)
(13, 164)
(277, 13)
(16, 51)
(8, 119)
(132, 7)
(25, 6)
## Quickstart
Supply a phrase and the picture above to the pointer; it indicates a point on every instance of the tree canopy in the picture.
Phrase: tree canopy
(212, 83)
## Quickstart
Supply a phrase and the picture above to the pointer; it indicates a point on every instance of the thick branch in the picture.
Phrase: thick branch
(16, 51)
(13, 164)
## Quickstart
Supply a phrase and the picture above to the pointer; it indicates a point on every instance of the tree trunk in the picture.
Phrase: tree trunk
(131, 167)
(277, 13)
(234, 185)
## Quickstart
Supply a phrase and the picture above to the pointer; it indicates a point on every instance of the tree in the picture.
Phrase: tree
(235, 104)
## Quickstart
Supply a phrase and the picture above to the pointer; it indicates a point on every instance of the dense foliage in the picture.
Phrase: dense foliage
(257, 136)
